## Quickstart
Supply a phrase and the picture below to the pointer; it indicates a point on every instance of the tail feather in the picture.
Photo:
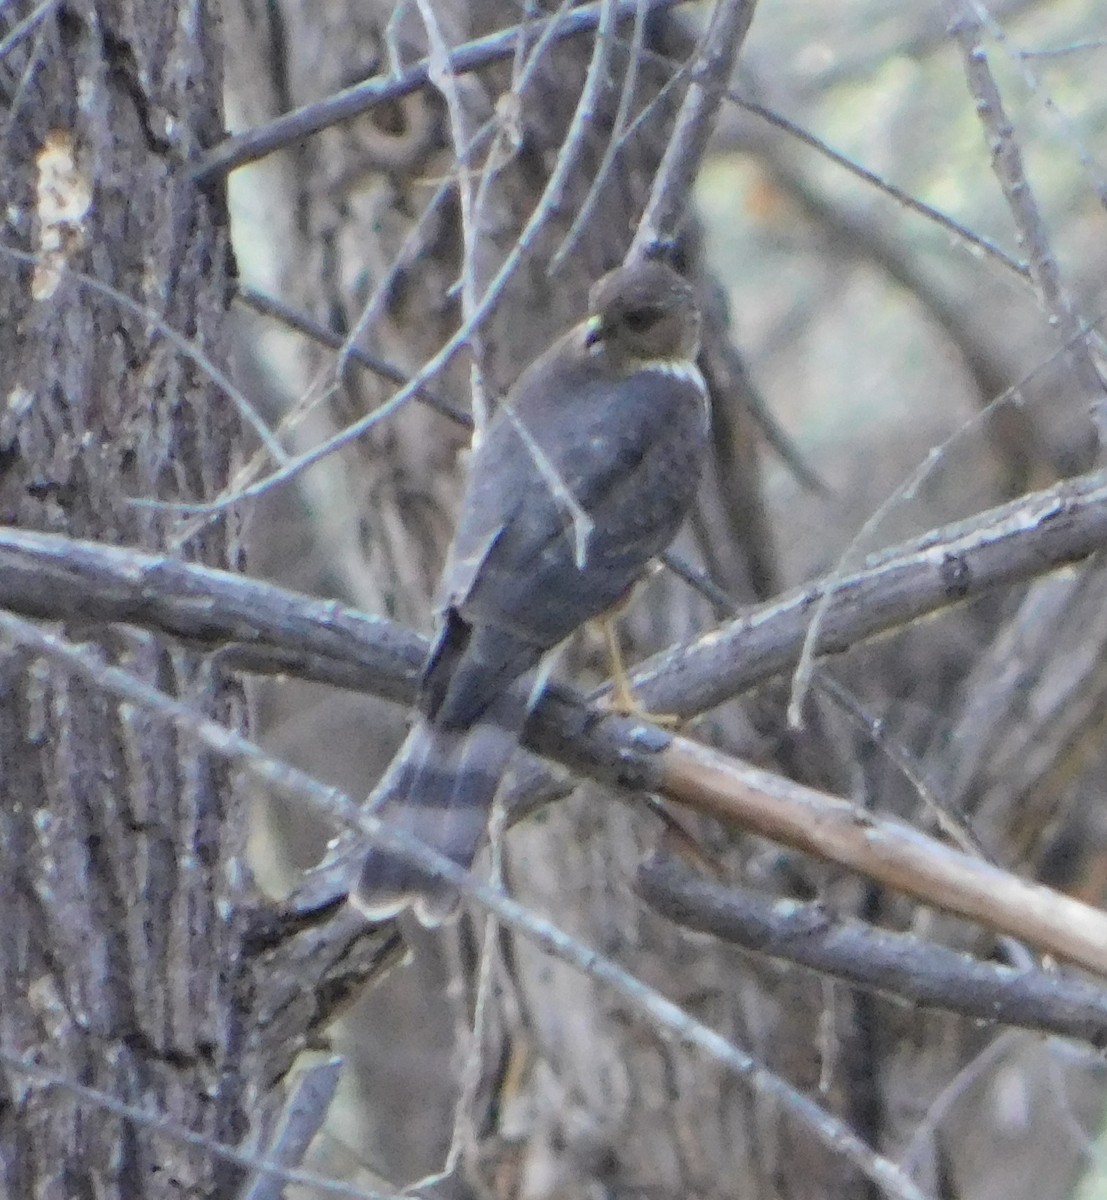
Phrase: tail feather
(439, 789)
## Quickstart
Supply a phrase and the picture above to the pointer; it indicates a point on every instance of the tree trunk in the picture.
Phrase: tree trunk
(119, 839)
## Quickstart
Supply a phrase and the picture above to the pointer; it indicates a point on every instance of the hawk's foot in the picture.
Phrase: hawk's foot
(623, 701)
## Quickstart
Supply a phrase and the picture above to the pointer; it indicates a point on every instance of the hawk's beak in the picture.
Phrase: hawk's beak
(593, 332)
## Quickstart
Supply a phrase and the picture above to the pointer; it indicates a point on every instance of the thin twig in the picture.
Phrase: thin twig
(907, 490)
(951, 823)
(414, 244)
(1062, 51)
(460, 102)
(942, 1106)
(962, 233)
(301, 322)
(294, 127)
(595, 188)
(20, 31)
(1007, 163)
(36, 1075)
(189, 349)
(1022, 60)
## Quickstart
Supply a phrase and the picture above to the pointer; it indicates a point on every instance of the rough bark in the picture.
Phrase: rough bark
(118, 838)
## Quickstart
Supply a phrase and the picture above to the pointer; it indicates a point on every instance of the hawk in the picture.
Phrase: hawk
(581, 478)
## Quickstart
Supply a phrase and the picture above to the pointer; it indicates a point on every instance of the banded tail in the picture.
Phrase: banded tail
(440, 789)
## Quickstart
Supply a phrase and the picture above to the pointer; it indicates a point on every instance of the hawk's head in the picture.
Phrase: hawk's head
(644, 312)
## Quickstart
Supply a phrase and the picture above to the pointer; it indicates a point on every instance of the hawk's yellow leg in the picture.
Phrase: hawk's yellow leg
(622, 698)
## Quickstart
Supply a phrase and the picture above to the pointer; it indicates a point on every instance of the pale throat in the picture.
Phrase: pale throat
(682, 368)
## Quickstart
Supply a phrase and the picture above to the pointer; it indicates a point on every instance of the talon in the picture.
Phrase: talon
(635, 711)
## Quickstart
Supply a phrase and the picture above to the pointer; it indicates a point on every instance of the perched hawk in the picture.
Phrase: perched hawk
(582, 477)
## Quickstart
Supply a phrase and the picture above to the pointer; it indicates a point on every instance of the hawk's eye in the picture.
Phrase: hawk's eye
(637, 320)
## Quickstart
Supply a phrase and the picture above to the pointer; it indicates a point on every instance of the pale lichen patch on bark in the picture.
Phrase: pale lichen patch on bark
(64, 196)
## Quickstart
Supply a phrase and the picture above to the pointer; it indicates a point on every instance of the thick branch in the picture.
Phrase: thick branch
(1010, 544)
(256, 626)
(891, 964)
(885, 849)
(265, 629)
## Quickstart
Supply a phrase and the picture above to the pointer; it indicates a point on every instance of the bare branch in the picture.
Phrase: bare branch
(1007, 162)
(301, 1119)
(668, 202)
(25, 27)
(258, 626)
(895, 964)
(884, 849)
(1001, 546)
(1064, 523)
(960, 231)
(294, 127)
(266, 629)
(270, 306)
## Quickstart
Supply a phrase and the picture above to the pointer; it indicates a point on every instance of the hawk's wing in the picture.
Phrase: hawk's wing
(580, 480)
